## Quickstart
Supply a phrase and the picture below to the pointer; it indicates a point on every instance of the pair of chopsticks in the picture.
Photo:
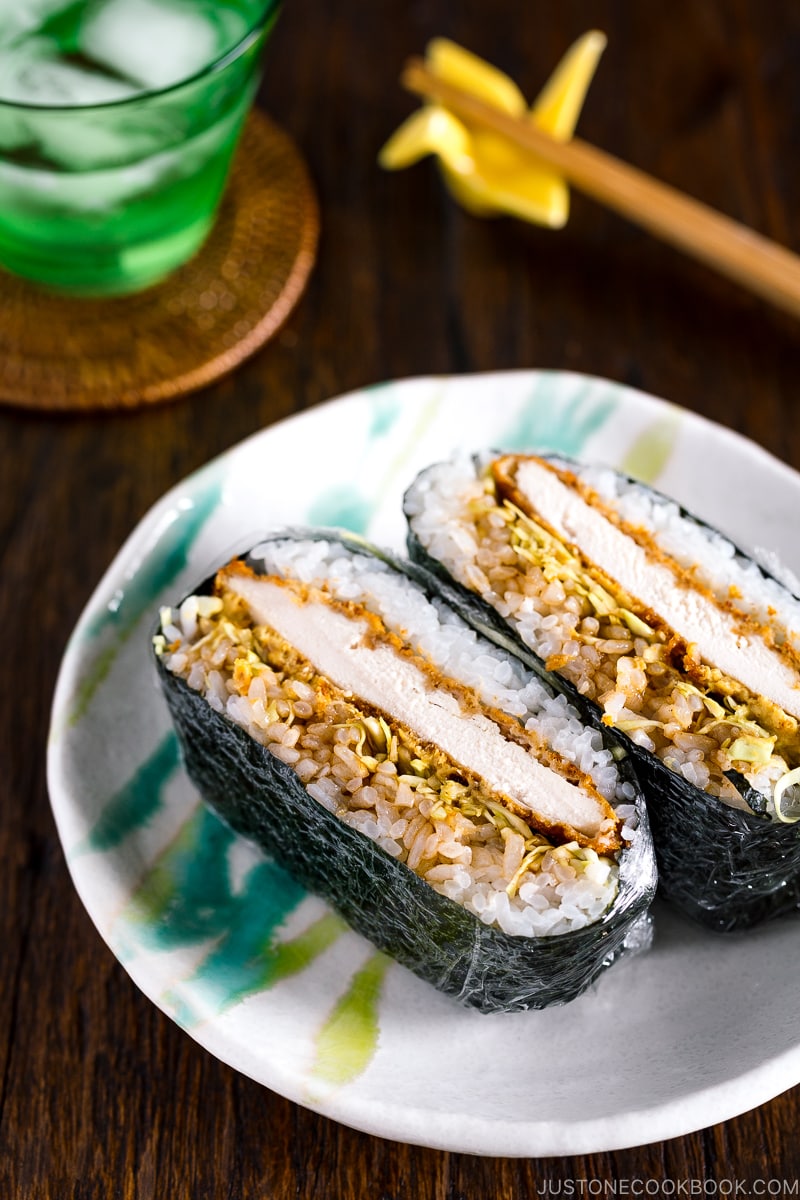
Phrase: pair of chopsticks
(755, 262)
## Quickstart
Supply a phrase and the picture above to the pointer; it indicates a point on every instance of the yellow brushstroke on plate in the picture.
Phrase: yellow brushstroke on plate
(484, 172)
(348, 1039)
(650, 451)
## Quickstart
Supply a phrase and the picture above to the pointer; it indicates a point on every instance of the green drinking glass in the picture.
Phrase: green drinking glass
(118, 122)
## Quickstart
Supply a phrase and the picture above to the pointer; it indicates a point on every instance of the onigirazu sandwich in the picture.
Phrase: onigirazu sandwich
(680, 641)
(452, 807)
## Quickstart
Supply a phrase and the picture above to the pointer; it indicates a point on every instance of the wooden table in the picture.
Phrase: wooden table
(100, 1094)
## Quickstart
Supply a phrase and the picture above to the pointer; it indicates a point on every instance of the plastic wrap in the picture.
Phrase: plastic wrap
(726, 868)
(479, 965)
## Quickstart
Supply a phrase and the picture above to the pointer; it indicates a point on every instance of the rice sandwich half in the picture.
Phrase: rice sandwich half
(452, 807)
(682, 642)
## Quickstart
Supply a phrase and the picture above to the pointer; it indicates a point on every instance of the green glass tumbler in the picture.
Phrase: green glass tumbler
(109, 198)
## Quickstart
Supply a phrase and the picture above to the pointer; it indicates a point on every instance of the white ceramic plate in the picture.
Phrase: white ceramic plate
(266, 977)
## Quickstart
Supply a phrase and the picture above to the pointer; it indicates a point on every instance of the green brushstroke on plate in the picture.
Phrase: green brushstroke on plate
(650, 452)
(249, 959)
(94, 675)
(136, 598)
(186, 899)
(136, 801)
(348, 1039)
(186, 896)
(246, 922)
(289, 958)
(348, 506)
(344, 506)
(546, 424)
(385, 411)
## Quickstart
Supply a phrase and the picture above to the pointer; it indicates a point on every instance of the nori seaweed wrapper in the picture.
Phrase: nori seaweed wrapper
(726, 868)
(261, 798)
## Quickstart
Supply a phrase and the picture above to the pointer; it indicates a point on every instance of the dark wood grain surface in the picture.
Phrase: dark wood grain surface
(100, 1094)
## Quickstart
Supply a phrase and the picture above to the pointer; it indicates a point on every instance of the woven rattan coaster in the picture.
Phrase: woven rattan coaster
(59, 353)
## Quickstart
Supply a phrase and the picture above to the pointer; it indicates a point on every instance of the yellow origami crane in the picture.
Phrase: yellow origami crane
(486, 173)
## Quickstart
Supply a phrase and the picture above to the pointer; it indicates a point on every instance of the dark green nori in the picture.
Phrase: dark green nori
(260, 797)
(755, 801)
(725, 868)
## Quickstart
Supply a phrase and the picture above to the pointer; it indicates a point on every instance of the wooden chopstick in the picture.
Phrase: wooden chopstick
(763, 266)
